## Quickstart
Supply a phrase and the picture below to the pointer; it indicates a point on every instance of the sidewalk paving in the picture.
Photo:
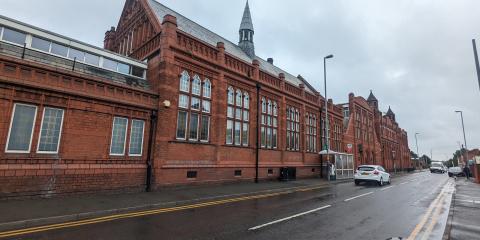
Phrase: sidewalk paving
(464, 217)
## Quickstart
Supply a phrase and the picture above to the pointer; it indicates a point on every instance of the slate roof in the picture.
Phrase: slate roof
(196, 30)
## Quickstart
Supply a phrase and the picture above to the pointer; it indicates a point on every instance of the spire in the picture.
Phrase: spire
(390, 112)
(371, 97)
(246, 33)
(246, 19)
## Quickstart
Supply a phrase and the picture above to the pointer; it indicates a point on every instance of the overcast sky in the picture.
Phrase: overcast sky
(416, 55)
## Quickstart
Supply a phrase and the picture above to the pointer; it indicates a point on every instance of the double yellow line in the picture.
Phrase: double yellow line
(144, 213)
(434, 208)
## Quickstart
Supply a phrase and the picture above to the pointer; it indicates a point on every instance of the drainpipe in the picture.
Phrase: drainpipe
(258, 129)
(151, 150)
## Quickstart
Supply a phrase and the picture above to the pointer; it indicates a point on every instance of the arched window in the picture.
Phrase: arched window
(238, 99)
(230, 96)
(185, 82)
(196, 83)
(207, 88)
(264, 106)
(246, 101)
(293, 129)
(269, 107)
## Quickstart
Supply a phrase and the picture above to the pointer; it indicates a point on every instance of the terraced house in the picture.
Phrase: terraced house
(166, 102)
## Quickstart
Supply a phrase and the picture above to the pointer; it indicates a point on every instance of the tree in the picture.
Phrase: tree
(426, 159)
(413, 155)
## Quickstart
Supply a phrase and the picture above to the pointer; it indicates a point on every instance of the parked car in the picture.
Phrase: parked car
(456, 171)
(371, 173)
(437, 168)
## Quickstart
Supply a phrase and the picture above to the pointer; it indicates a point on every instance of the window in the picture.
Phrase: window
(21, 128)
(238, 117)
(237, 173)
(185, 82)
(93, 59)
(59, 49)
(182, 125)
(76, 54)
(41, 44)
(192, 174)
(13, 36)
(207, 88)
(311, 132)
(269, 124)
(110, 64)
(136, 138)
(123, 68)
(196, 83)
(119, 135)
(193, 121)
(51, 129)
(293, 129)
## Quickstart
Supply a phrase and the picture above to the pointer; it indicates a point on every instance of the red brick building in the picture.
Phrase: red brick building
(168, 102)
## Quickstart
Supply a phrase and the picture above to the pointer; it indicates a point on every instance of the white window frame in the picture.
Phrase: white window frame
(1, 33)
(130, 142)
(59, 137)
(186, 125)
(124, 142)
(10, 129)
(208, 130)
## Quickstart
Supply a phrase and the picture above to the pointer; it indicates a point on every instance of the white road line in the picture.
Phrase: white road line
(383, 189)
(361, 195)
(403, 183)
(288, 218)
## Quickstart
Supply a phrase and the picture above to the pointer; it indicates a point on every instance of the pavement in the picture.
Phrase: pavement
(414, 206)
(464, 218)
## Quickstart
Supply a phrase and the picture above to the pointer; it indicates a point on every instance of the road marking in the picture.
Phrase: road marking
(383, 189)
(288, 218)
(144, 213)
(435, 204)
(434, 220)
(403, 183)
(361, 195)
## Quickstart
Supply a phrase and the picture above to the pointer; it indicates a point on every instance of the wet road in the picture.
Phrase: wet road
(414, 205)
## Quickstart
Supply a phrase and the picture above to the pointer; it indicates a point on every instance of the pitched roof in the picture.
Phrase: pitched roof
(200, 32)
(246, 19)
(371, 97)
(390, 112)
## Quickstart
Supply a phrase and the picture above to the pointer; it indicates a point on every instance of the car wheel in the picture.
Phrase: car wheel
(380, 183)
(450, 175)
(357, 182)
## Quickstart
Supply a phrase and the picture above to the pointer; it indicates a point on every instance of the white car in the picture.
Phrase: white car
(371, 173)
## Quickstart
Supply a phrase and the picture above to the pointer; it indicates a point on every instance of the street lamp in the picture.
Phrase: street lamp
(326, 108)
(463, 128)
(416, 143)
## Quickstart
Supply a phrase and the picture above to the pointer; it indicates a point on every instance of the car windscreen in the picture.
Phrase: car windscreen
(366, 169)
(436, 165)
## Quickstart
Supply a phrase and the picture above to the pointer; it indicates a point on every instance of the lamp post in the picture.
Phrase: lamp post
(464, 138)
(477, 64)
(326, 108)
(416, 143)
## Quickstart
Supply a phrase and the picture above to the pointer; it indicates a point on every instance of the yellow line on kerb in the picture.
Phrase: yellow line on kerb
(144, 213)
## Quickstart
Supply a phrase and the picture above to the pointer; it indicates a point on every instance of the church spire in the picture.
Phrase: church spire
(246, 33)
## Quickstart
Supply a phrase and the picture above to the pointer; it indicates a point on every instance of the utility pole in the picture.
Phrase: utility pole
(477, 65)
(464, 138)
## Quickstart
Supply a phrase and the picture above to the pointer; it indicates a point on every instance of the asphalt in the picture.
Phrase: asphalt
(464, 219)
(413, 205)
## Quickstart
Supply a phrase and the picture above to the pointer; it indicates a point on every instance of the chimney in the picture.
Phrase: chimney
(270, 60)
(109, 39)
